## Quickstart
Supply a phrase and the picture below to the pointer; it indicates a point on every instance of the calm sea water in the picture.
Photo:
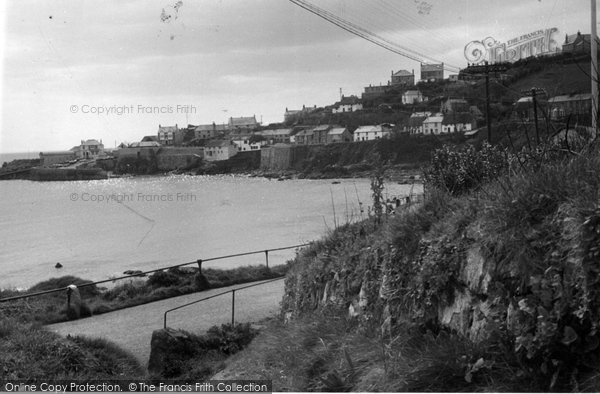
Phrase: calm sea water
(98, 229)
(8, 157)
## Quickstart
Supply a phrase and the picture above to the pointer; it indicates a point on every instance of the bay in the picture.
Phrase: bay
(99, 229)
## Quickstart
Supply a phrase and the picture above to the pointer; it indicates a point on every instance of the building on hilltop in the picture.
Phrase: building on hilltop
(578, 43)
(170, 135)
(403, 78)
(246, 123)
(293, 114)
(432, 72)
(216, 150)
(373, 92)
(89, 149)
(347, 104)
(412, 97)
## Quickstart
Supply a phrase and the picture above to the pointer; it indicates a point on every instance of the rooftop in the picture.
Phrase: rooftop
(403, 73)
(337, 131)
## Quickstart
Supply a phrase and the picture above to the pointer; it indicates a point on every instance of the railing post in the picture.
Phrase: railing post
(165, 320)
(199, 262)
(232, 307)
(267, 257)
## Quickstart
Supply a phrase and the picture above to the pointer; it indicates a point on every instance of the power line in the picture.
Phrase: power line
(364, 33)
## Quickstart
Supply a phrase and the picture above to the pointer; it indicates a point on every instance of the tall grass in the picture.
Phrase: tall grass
(29, 352)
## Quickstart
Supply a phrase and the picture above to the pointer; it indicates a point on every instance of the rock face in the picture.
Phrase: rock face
(466, 281)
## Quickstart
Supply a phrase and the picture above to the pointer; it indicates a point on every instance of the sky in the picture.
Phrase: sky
(115, 69)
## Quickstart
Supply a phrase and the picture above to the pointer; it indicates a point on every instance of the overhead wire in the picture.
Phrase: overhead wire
(364, 33)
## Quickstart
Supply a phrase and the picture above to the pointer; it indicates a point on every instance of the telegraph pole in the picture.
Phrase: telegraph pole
(535, 118)
(533, 92)
(594, 70)
(486, 69)
(488, 118)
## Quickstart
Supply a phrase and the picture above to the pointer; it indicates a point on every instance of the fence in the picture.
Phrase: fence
(218, 295)
(138, 274)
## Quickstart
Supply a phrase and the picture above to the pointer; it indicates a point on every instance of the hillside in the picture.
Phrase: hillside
(490, 285)
(557, 79)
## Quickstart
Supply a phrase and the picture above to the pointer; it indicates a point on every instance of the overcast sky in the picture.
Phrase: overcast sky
(222, 58)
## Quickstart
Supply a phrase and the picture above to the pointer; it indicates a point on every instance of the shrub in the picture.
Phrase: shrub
(458, 171)
(163, 279)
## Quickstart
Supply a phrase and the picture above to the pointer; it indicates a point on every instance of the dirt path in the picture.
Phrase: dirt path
(132, 328)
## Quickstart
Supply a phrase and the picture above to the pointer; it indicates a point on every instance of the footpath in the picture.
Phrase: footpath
(132, 328)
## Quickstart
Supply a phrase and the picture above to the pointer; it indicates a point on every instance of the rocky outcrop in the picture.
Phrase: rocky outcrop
(471, 281)
(168, 348)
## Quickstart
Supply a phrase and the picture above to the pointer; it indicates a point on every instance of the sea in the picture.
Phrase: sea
(98, 229)
(8, 157)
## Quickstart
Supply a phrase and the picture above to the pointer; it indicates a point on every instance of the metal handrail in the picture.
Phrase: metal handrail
(232, 291)
(199, 261)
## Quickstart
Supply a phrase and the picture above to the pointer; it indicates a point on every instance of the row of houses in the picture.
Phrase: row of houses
(428, 123)
(576, 105)
(175, 136)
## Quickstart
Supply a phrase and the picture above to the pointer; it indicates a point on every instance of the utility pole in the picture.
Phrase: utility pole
(594, 70)
(533, 93)
(488, 118)
(535, 118)
(486, 69)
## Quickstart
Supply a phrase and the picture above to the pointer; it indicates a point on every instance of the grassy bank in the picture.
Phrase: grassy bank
(51, 308)
(190, 357)
(29, 352)
(490, 285)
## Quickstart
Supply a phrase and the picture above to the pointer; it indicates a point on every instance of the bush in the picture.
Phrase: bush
(164, 279)
(458, 171)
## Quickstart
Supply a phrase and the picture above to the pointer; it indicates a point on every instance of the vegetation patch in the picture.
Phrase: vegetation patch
(178, 354)
(29, 352)
(52, 307)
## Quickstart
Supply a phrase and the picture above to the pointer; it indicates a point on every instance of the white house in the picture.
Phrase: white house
(433, 124)
(89, 149)
(412, 97)
(348, 104)
(219, 150)
(244, 145)
(454, 123)
(369, 133)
